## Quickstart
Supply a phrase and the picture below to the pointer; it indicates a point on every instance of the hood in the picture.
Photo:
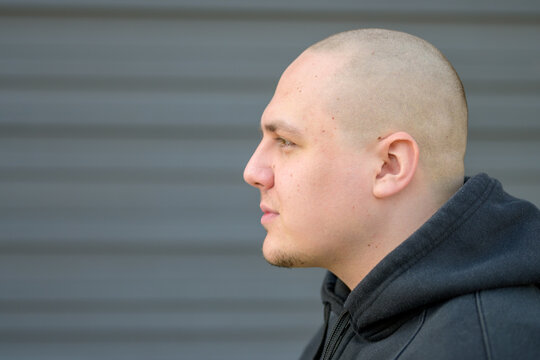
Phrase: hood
(482, 238)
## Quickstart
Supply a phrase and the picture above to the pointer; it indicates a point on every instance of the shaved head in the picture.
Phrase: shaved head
(388, 81)
(362, 142)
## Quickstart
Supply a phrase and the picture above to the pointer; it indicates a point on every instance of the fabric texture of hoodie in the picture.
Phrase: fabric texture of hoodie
(464, 286)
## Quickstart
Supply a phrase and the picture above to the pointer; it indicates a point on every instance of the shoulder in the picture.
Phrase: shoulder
(490, 324)
(510, 321)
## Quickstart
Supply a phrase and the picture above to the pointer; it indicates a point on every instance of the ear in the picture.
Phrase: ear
(398, 155)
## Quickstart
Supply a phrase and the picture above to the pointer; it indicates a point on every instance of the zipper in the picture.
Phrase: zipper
(338, 332)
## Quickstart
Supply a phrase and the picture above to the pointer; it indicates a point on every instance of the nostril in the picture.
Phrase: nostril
(250, 178)
(259, 177)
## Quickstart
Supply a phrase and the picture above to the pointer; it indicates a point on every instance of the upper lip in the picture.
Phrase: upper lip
(268, 210)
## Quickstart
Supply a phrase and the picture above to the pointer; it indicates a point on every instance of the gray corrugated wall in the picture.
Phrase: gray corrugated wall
(127, 232)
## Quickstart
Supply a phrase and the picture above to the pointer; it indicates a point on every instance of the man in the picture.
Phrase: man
(360, 170)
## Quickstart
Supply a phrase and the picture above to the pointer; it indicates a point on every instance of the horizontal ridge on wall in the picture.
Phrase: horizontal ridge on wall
(418, 11)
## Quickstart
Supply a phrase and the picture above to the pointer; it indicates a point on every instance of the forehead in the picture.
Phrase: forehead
(310, 71)
(304, 90)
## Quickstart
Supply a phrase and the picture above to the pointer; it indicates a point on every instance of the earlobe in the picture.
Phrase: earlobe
(398, 155)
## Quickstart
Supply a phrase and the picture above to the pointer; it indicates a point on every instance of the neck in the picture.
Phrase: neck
(399, 219)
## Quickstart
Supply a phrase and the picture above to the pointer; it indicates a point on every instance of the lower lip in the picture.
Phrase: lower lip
(268, 217)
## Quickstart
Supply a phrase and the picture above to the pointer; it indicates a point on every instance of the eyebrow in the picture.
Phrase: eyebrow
(281, 126)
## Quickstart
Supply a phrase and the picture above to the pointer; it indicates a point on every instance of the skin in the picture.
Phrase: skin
(332, 196)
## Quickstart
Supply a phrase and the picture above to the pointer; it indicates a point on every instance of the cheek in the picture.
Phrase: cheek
(308, 189)
(341, 189)
(297, 187)
(319, 186)
(292, 185)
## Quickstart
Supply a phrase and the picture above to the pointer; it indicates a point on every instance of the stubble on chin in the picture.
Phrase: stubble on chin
(284, 260)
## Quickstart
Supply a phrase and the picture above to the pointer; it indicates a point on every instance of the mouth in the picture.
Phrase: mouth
(269, 214)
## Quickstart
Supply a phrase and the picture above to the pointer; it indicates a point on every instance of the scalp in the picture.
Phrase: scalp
(392, 81)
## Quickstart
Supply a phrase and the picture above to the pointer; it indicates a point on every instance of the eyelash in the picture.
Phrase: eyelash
(284, 142)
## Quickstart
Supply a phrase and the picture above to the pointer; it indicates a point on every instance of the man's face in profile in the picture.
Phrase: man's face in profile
(310, 174)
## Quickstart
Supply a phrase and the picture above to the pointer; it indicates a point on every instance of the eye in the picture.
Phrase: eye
(284, 142)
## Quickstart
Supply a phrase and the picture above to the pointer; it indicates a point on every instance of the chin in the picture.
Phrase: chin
(281, 257)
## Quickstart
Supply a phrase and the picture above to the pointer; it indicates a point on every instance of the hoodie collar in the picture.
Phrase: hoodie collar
(457, 251)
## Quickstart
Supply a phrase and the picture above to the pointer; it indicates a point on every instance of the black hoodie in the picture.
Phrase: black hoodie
(463, 286)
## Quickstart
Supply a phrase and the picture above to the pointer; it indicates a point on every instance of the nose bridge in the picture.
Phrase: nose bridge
(258, 171)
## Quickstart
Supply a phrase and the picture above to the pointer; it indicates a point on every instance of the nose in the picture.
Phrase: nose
(258, 172)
